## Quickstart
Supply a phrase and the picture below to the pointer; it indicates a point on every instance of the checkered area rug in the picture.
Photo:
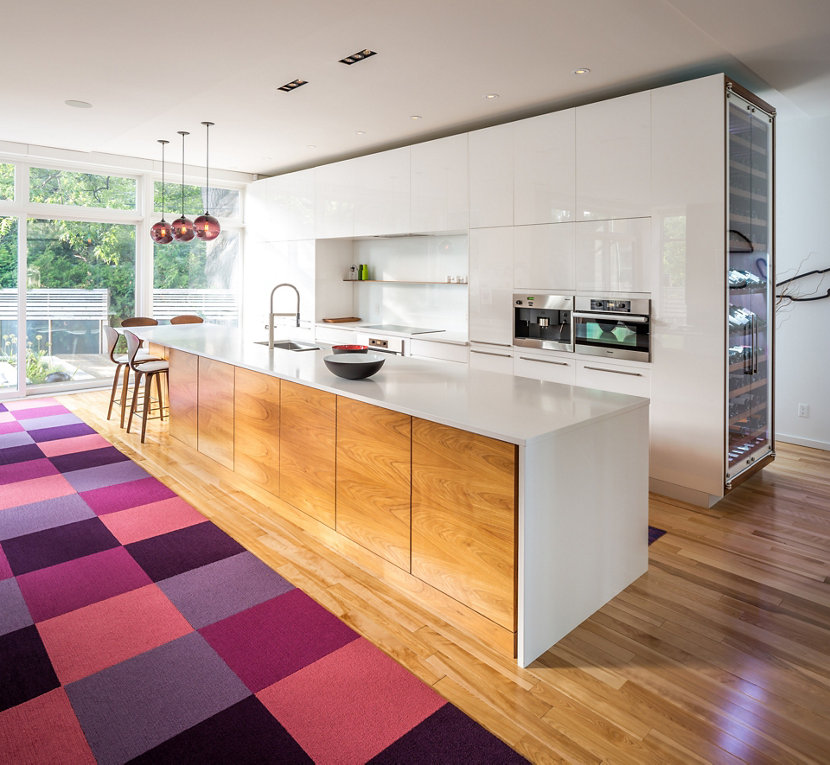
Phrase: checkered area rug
(133, 629)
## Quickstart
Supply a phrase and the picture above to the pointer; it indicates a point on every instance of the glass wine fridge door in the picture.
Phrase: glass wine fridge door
(749, 278)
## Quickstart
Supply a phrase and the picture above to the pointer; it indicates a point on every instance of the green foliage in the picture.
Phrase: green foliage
(219, 201)
(6, 181)
(38, 365)
(8, 252)
(64, 187)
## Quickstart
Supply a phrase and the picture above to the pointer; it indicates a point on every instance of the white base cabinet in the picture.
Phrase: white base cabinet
(491, 358)
(617, 378)
(550, 367)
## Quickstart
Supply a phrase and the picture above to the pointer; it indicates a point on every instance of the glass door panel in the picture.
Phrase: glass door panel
(81, 276)
(9, 304)
(749, 313)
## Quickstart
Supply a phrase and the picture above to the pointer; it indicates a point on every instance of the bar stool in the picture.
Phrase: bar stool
(121, 363)
(146, 371)
(187, 318)
(139, 321)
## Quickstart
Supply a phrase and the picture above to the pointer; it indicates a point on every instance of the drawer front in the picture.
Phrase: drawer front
(443, 351)
(549, 368)
(615, 378)
(492, 359)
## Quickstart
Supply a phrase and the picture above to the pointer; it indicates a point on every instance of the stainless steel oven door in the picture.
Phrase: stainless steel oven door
(612, 334)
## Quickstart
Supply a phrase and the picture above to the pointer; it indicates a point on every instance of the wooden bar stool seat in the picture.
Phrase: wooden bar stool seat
(187, 318)
(146, 372)
(122, 364)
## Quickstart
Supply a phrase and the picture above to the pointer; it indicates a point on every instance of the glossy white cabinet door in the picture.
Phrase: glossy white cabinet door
(382, 193)
(547, 367)
(617, 378)
(613, 158)
(491, 176)
(544, 257)
(440, 199)
(545, 168)
(491, 358)
(281, 209)
(334, 199)
(614, 255)
(491, 285)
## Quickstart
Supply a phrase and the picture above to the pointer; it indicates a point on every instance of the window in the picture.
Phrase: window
(65, 187)
(8, 302)
(6, 182)
(223, 203)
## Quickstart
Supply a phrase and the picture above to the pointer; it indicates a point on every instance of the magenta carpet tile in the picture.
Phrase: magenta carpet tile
(134, 630)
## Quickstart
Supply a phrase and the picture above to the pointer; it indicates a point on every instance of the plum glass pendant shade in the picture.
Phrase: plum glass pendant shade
(207, 227)
(183, 227)
(161, 232)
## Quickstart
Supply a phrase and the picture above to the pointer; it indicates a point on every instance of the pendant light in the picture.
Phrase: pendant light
(183, 226)
(160, 232)
(207, 227)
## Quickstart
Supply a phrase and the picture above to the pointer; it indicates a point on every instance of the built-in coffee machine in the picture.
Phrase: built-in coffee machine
(543, 320)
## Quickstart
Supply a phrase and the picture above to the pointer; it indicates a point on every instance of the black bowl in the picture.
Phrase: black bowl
(354, 366)
(349, 348)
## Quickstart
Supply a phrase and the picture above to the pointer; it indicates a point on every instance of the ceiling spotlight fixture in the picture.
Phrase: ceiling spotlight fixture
(183, 227)
(491, 96)
(311, 146)
(207, 227)
(359, 56)
(415, 117)
(293, 85)
(160, 232)
(582, 70)
(360, 132)
(78, 104)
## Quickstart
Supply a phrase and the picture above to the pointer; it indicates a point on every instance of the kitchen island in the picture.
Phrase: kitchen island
(519, 506)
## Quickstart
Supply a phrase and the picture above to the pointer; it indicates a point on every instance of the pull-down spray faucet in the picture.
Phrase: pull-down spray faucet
(271, 313)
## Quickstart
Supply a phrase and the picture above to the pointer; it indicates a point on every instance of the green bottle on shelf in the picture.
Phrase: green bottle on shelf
(364, 272)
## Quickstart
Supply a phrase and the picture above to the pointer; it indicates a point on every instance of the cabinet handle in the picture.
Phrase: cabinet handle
(609, 317)
(490, 353)
(487, 342)
(615, 371)
(545, 361)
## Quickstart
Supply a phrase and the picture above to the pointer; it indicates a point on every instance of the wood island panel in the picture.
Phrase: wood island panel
(184, 396)
(373, 478)
(307, 449)
(464, 500)
(256, 438)
(216, 410)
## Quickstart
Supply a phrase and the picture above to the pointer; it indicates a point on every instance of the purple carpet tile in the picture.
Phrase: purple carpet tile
(46, 514)
(450, 732)
(276, 638)
(106, 476)
(22, 453)
(111, 499)
(10, 427)
(63, 431)
(25, 668)
(42, 411)
(23, 471)
(654, 534)
(77, 583)
(67, 463)
(50, 422)
(21, 438)
(182, 550)
(5, 568)
(133, 706)
(243, 734)
(14, 614)
(57, 545)
(218, 590)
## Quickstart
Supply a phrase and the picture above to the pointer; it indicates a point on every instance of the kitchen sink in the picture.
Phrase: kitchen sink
(290, 345)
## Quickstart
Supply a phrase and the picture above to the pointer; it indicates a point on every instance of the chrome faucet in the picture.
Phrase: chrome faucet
(271, 313)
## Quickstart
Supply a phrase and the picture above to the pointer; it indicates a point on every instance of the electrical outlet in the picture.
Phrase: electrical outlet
(803, 410)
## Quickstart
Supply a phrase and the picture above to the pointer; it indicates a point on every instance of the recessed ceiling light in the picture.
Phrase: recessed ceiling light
(359, 56)
(415, 117)
(360, 132)
(78, 104)
(582, 70)
(491, 96)
(311, 146)
(293, 85)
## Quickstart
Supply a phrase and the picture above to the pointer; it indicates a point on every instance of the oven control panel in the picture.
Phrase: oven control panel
(617, 306)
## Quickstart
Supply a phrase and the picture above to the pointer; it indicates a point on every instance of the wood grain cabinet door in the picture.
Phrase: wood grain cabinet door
(307, 449)
(216, 410)
(256, 436)
(373, 478)
(184, 396)
(464, 518)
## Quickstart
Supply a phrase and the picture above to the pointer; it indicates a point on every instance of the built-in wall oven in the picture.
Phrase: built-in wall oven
(543, 320)
(613, 327)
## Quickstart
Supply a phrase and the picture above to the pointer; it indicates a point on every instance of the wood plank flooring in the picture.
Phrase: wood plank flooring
(720, 653)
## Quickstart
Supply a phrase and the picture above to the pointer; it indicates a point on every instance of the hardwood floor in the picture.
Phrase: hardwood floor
(720, 653)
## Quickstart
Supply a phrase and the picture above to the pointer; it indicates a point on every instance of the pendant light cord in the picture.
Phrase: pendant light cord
(162, 142)
(207, 166)
(183, 133)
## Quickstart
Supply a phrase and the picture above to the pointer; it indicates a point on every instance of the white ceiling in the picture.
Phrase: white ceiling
(153, 68)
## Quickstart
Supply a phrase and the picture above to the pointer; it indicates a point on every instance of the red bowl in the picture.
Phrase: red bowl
(349, 348)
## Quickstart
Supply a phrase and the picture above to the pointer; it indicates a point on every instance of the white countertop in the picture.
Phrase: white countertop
(509, 408)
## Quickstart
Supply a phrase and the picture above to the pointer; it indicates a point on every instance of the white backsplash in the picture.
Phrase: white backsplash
(414, 259)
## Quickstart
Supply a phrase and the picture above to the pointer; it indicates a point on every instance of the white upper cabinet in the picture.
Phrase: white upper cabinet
(613, 158)
(281, 208)
(491, 176)
(382, 193)
(334, 203)
(544, 257)
(439, 185)
(545, 168)
(614, 255)
(491, 292)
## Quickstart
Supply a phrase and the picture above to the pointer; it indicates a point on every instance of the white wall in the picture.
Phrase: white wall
(803, 244)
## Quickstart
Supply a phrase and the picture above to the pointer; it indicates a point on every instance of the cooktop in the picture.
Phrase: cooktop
(400, 329)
